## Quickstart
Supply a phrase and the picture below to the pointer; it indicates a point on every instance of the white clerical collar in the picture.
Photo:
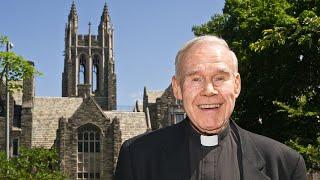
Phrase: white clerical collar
(209, 140)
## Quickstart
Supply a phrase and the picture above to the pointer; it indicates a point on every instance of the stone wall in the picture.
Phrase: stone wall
(88, 113)
(125, 125)
(161, 111)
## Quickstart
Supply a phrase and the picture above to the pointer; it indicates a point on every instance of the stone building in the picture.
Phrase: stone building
(83, 125)
(89, 60)
(162, 108)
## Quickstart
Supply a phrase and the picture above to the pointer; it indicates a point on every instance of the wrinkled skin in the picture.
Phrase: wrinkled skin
(208, 83)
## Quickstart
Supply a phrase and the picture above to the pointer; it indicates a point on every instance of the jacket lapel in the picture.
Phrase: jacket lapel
(176, 154)
(253, 164)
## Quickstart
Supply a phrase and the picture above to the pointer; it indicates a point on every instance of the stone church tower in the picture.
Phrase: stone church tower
(89, 61)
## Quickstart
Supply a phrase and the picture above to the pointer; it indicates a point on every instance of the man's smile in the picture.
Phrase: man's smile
(209, 106)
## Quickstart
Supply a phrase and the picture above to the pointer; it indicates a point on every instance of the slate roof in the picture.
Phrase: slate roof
(131, 123)
(46, 114)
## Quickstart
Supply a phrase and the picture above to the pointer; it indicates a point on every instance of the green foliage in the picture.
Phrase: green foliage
(35, 163)
(18, 67)
(300, 115)
(277, 43)
(311, 153)
(301, 111)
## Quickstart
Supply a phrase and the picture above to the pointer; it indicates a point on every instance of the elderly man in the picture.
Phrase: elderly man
(207, 145)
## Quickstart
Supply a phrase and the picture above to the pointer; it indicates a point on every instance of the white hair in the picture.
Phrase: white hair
(207, 38)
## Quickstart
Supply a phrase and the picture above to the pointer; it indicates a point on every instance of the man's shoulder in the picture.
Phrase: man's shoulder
(282, 161)
(269, 148)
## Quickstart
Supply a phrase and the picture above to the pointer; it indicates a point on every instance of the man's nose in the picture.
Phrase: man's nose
(209, 89)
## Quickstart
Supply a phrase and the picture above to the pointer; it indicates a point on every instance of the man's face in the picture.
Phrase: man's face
(208, 84)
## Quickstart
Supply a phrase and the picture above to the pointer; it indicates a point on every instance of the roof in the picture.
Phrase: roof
(46, 114)
(153, 95)
(130, 123)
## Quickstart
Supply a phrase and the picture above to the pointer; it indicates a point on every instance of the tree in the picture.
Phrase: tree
(35, 163)
(18, 67)
(277, 43)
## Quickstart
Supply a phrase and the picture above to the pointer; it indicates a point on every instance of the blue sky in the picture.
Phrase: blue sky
(148, 33)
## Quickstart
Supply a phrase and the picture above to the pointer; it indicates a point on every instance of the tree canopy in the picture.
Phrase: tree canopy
(277, 43)
(18, 67)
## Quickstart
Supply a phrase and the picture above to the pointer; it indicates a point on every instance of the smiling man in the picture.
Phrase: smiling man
(207, 145)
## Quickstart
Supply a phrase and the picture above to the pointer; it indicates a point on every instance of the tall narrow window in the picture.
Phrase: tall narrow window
(15, 146)
(95, 73)
(17, 116)
(82, 69)
(89, 148)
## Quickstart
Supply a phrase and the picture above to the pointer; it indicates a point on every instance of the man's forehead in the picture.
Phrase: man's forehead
(207, 46)
(214, 67)
(206, 52)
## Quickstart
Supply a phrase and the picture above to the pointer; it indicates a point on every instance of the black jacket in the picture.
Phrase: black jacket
(163, 155)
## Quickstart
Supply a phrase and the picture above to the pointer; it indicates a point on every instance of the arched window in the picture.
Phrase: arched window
(82, 69)
(89, 148)
(95, 73)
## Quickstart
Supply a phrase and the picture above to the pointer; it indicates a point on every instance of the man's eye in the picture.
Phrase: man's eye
(219, 78)
(196, 79)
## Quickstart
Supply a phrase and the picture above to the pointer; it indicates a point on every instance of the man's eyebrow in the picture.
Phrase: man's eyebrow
(224, 70)
(191, 73)
(219, 71)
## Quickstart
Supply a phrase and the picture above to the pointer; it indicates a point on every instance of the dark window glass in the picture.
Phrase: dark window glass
(79, 175)
(91, 146)
(86, 147)
(79, 136)
(17, 116)
(91, 136)
(15, 149)
(85, 175)
(91, 175)
(97, 136)
(85, 136)
(80, 147)
(88, 144)
(2, 108)
(97, 146)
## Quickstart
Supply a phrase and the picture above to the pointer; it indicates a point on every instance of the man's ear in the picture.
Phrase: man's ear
(176, 88)
(237, 82)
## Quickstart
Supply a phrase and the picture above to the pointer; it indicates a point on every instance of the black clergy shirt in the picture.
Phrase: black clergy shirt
(220, 162)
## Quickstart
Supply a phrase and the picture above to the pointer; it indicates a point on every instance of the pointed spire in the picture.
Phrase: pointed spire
(105, 14)
(73, 10)
(105, 8)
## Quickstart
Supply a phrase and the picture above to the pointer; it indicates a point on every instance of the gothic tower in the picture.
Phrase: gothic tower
(89, 61)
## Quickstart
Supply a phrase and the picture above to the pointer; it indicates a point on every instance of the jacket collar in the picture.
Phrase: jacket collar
(177, 154)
